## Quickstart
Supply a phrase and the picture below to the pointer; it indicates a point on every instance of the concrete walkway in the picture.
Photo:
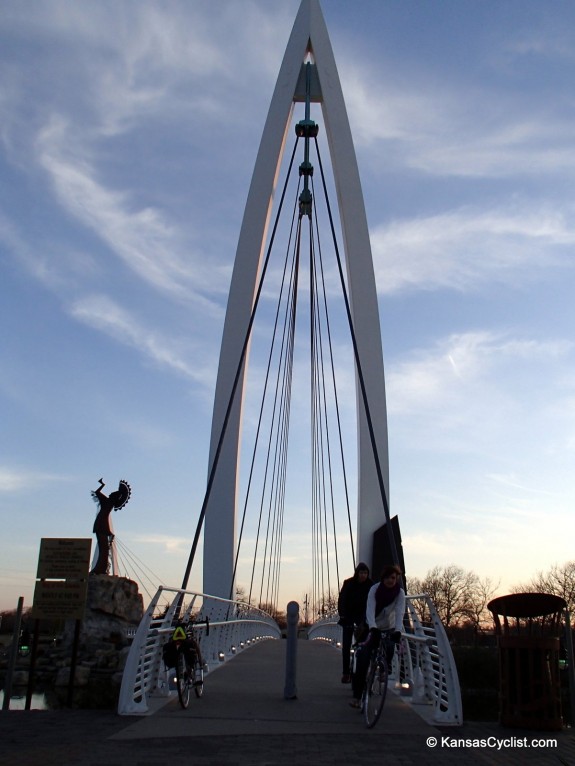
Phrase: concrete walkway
(243, 720)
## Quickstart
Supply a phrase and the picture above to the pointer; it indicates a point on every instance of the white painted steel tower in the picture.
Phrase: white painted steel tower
(308, 41)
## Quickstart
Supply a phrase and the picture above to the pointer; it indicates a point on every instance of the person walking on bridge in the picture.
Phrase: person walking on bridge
(351, 608)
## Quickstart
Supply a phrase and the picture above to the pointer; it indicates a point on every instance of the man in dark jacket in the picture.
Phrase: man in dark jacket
(351, 607)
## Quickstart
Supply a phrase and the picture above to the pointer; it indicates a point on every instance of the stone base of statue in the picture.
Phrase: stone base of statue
(113, 612)
(114, 608)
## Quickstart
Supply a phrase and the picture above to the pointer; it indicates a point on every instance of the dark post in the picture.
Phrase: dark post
(290, 689)
(32, 668)
(73, 662)
(570, 665)
(13, 655)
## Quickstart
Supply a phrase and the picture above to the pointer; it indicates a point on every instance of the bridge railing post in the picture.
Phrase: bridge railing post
(290, 688)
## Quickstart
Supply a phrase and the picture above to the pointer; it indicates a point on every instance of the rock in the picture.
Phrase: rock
(114, 610)
(115, 596)
(81, 676)
(20, 678)
(113, 605)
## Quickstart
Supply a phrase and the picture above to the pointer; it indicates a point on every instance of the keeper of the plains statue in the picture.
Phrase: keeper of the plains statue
(103, 529)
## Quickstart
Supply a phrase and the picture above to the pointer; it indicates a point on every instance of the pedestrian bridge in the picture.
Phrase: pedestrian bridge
(332, 280)
(246, 659)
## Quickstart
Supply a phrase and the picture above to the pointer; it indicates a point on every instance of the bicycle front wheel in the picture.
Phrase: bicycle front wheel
(375, 691)
(183, 680)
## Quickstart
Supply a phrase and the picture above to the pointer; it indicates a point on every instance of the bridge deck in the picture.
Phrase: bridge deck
(243, 720)
(246, 697)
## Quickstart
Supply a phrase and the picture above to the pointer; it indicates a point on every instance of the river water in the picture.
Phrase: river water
(18, 701)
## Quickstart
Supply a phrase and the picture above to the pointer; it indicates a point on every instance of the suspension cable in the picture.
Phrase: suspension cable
(143, 572)
(320, 366)
(335, 395)
(280, 458)
(361, 380)
(261, 412)
(276, 418)
(276, 468)
(235, 384)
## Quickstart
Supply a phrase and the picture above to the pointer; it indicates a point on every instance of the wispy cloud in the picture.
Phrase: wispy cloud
(514, 482)
(467, 248)
(58, 267)
(449, 376)
(168, 543)
(142, 61)
(133, 74)
(19, 479)
(102, 313)
(143, 238)
(471, 391)
(449, 129)
(547, 42)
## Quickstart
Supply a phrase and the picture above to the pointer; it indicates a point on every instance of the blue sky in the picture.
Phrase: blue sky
(128, 136)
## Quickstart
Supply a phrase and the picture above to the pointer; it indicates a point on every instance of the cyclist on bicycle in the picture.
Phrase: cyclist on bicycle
(189, 644)
(384, 614)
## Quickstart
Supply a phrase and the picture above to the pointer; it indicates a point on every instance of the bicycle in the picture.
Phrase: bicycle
(377, 680)
(182, 652)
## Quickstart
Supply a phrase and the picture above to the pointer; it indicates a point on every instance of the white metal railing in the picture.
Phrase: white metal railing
(429, 664)
(326, 629)
(233, 626)
(424, 668)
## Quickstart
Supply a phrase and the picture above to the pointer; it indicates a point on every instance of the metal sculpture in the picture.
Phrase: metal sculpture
(103, 528)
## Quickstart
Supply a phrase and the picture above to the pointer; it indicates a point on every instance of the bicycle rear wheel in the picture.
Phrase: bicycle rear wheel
(183, 680)
(198, 679)
(375, 691)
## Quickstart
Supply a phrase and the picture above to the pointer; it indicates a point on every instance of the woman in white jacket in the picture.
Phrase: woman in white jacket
(384, 614)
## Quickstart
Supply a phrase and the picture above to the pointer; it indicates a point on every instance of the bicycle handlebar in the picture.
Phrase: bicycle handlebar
(192, 624)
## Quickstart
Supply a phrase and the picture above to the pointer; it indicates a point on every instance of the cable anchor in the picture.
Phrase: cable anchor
(306, 129)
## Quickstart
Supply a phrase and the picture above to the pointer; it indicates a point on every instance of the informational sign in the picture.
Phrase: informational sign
(64, 558)
(62, 585)
(59, 599)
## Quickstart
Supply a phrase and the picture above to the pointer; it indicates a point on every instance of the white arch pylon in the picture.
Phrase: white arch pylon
(309, 35)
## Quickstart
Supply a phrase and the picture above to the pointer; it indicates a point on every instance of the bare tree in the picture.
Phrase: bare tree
(241, 593)
(484, 590)
(330, 601)
(459, 596)
(559, 581)
(320, 605)
(305, 609)
(273, 611)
